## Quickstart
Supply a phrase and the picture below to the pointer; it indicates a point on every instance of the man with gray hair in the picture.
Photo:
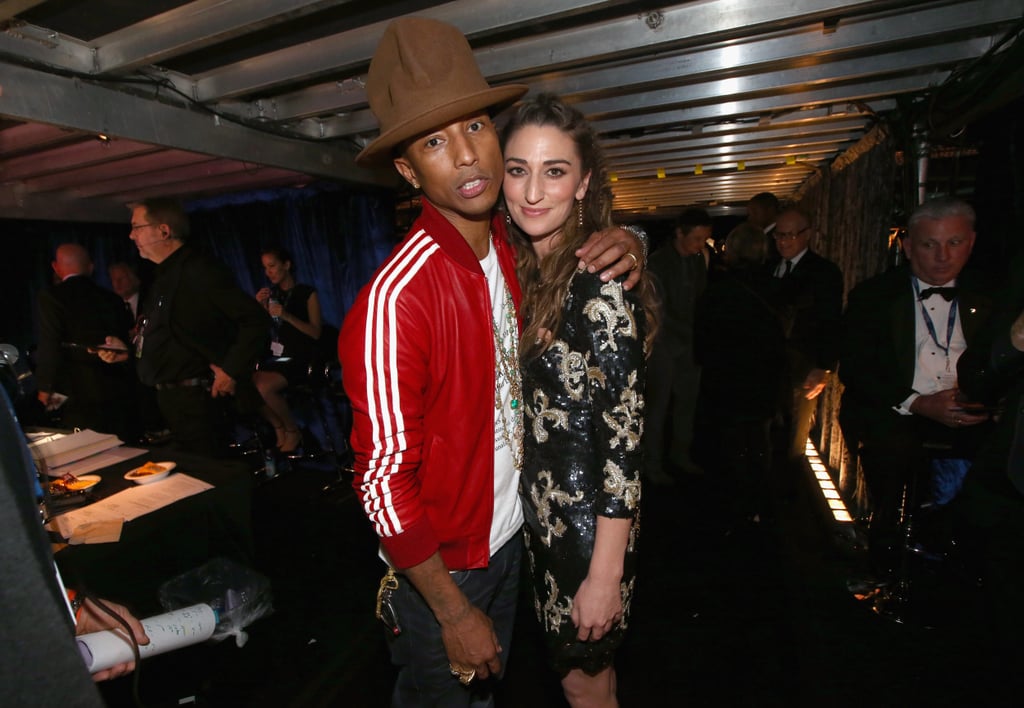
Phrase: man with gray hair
(903, 332)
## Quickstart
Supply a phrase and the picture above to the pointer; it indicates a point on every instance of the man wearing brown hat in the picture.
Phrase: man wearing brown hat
(429, 355)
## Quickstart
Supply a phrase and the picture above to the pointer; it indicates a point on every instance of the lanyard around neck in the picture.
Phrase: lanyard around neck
(931, 325)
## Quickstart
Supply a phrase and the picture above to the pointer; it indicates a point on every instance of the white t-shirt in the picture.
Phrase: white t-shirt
(508, 510)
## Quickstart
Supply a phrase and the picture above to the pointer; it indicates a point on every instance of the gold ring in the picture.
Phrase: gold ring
(636, 261)
(465, 677)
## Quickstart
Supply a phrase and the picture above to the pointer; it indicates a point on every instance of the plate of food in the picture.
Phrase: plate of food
(70, 483)
(150, 472)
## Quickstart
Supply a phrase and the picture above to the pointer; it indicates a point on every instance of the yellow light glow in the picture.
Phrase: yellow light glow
(612, 177)
(698, 170)
(790, 159)
(828, 489)
(661, 173)
(741, 165)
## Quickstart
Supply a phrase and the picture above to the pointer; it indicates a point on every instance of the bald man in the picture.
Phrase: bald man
(76, 314)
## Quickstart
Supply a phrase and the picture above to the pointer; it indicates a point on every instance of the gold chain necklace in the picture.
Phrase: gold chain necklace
(506, 347)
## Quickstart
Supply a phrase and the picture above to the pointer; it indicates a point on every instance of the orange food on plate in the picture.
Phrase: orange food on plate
(148, 469)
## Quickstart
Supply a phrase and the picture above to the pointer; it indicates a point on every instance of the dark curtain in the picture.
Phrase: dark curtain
(337, 238)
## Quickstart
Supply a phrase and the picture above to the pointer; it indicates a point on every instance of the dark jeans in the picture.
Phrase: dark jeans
(424, 678)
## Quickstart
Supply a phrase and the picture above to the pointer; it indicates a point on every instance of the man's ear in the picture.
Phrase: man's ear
(407, 172)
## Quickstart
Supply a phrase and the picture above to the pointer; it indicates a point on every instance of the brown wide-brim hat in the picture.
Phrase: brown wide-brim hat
(424, 76)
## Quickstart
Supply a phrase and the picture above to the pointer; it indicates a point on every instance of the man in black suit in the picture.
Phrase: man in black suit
(810, 288)
(902, 338)
(74, 315)
(125, 282)
(200, 336)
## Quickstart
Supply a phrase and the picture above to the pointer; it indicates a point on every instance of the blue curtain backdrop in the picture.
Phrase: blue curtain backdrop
(337, 238)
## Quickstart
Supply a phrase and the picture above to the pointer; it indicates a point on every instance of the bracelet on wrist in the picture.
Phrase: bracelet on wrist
(641, 236)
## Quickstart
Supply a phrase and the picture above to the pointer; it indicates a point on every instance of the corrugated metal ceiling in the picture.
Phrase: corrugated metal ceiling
(705, 102)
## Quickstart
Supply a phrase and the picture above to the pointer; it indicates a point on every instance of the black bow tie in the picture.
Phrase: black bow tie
(947, 293)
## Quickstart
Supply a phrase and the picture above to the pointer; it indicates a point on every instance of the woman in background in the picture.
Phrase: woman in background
(297, 326)
(582, 357)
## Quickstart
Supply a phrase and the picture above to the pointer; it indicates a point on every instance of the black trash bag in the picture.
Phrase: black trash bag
(238, 595)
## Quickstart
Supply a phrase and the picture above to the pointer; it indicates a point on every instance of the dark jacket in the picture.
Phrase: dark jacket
(740, 347)
(679, 281)
(73, 315)
(812, 295)
(878, 353)
(196, 315)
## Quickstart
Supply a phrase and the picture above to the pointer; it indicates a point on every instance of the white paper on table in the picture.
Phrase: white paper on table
(97, 461)
(132, 503)
(57, 451)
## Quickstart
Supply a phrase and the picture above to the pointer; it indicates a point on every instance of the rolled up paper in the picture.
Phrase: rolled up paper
(166, 632)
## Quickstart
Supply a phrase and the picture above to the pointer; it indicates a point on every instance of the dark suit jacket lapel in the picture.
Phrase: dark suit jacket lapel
(974, 311)
(903, 327)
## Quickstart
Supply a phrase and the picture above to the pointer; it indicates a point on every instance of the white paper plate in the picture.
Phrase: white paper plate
(135, 476)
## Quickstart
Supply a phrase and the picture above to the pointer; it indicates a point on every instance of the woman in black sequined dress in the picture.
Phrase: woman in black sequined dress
(582, 356)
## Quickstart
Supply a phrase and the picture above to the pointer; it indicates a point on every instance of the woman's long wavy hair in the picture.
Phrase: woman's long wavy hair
(546, 283)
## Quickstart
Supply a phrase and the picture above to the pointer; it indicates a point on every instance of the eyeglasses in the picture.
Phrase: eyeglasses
(788, 235)
(135, 227)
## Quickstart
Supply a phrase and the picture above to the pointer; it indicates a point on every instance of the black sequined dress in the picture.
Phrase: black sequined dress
(582, 457)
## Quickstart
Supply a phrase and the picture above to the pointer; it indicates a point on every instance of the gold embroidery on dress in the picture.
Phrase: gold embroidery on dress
(540, 412)
(626, 420)
(613, 313)
(634, 532)
(543, 494)
(572, 369)
(627, 599)
(552, 614)
(616, 484)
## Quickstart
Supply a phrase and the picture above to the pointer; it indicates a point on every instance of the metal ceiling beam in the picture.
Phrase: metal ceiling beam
(845, 130)
(43, 46)
(354, 48)
(838, 95)
(865, 38)
(729, 90)
(194, 26)
(688, 23)
(28, 94)
(674, 159)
